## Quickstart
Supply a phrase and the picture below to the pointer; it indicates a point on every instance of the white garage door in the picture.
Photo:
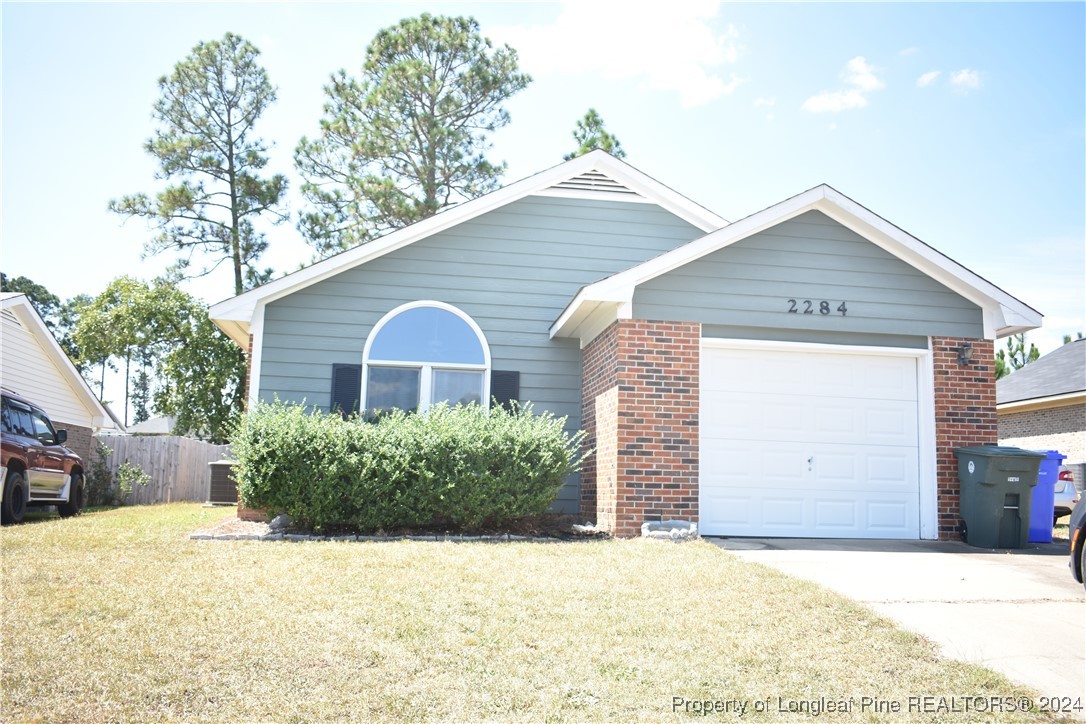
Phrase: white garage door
(804, 443)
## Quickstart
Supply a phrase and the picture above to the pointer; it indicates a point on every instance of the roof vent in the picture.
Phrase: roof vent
(10, 316)
(594, 183)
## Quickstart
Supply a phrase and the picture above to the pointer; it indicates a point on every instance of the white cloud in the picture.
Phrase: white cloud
(765, 102)
(860, 73)
(672, 47)
(965, 79)
(928, 78)
(857, 73)
(826, 102)
(907, 51)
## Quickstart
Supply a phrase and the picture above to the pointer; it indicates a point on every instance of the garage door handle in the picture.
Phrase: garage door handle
(810, 463)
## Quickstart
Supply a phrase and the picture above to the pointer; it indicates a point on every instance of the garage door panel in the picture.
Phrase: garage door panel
(824, 516)
(750, 416)
(819, 375)
(809, 444)
(832, 467)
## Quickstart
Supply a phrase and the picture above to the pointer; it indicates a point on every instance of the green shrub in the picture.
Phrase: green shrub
(103, 487)
(458, 466)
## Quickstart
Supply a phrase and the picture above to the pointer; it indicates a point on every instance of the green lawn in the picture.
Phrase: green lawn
(116, 615)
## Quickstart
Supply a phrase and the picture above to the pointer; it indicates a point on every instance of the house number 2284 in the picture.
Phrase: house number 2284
(806, 306)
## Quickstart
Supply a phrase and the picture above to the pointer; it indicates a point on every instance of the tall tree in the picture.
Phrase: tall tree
(45, 302)
(590, 135)
(1015, 356)
(205, 144)
(408, 137)
(198, 369)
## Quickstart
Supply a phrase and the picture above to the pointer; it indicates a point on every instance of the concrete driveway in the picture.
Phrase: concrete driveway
(1018, 612)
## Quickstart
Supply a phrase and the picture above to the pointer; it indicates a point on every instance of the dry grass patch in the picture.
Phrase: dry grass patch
(117, 616)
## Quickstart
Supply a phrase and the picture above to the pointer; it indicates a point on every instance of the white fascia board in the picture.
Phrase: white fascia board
(257, 358)
(656, 192)
(1040, 403)
(620, 287)
(240, 309)
(20, 306)
(1003, 313)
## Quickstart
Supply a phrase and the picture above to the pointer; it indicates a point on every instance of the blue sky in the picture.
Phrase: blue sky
(964, 124)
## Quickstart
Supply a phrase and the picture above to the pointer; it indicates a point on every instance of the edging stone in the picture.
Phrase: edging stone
(449, 538)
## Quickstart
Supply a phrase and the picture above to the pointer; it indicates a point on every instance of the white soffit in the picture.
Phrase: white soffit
(1003, 314)
(596, 173)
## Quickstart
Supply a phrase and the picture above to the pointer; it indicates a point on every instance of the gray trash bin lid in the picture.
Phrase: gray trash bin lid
(996, 451)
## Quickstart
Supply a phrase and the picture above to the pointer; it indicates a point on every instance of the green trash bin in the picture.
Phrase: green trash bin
(996, 489)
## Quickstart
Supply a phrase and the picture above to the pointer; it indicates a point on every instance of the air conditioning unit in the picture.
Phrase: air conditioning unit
(224, 489)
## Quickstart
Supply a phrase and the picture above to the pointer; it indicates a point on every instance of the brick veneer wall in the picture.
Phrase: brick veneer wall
(964, 416)
(641, 416)
(599, 374)
(80, 440)
(1053, 428)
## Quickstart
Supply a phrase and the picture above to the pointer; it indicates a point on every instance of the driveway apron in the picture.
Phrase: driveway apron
(1018, 612)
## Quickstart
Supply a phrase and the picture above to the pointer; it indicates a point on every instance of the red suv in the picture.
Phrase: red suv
(35, 466)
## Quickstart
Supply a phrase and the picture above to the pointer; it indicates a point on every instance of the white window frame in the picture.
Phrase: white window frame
(426, 369)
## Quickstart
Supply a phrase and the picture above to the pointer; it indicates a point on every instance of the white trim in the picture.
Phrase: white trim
(587, 195)
(925, 408)
(1003, 314)
(929, 456)
(427, 369)
(1041, 403)
(20, 306)
(257, 331)
(234, 315)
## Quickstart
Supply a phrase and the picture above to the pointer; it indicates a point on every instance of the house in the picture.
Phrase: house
(1043, 405)
(158, 425)
(805, 371)
(33, 365)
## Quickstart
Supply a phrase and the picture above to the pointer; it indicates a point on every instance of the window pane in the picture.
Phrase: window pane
(427, 334)
(389, 387)
(42, 430)
(456, 387)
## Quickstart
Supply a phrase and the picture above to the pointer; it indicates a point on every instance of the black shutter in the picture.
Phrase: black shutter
(346, 389)
(505, 388)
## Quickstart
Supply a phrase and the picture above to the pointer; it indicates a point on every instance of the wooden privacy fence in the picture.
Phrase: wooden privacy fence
(177, 466)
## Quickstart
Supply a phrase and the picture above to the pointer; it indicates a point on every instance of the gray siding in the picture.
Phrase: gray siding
(513, 270)
(748, 284)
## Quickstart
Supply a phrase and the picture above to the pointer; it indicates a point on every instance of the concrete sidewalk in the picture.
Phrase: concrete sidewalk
(1018, 612)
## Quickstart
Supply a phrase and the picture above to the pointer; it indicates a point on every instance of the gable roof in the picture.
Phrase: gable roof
(597, 305)
(596, 175)
(20, 307)
(1058, 376)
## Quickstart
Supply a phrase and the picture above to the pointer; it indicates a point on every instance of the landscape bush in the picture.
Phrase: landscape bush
(462, 466)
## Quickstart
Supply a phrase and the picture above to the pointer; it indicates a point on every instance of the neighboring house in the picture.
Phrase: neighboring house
(795, 373)
(1042, 406)
(33, 365)
(160, 425)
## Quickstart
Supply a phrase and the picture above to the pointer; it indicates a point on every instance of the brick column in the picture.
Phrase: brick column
(599, 420)
(965, 416)
(641, 416)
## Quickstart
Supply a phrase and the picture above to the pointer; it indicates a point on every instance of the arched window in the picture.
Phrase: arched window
(423, 353)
